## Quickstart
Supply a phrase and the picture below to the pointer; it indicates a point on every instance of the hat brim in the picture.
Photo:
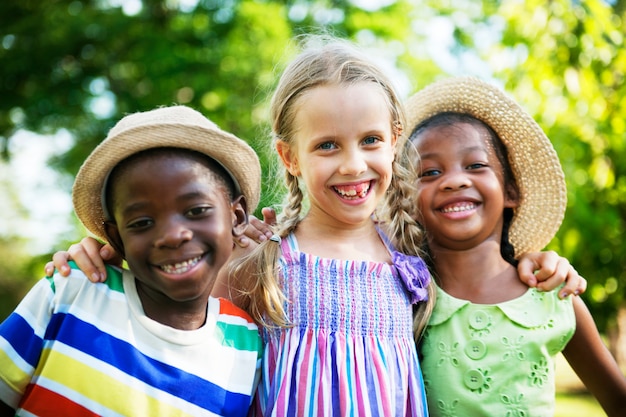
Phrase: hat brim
(176, 127)
(535, 163)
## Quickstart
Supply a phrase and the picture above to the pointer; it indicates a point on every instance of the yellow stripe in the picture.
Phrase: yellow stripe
(103, 388)
(11, 372)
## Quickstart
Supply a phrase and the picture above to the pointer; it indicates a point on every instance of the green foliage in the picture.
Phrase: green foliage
(81, 65)
(573, 81)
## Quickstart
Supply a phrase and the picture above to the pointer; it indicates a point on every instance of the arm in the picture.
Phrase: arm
(594, 364)
(89, 255)
(547, 271)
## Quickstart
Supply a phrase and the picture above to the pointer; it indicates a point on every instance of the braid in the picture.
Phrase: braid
(266, 298)
(291, 211)
(407, 235)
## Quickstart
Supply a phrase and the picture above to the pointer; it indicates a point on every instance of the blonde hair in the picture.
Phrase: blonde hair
(329, 61)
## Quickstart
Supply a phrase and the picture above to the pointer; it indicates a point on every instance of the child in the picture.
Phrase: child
(491, 188)
(333, 291)
(338, 315)
(170, 191)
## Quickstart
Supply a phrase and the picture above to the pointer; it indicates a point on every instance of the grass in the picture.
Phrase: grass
(577, 405)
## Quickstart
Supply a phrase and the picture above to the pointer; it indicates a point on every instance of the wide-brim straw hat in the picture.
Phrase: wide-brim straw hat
(535, 164)
(175, 127)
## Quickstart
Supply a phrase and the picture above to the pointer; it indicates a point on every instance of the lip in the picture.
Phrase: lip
(354, 191)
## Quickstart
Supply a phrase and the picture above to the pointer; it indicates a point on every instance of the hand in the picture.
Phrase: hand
(258, 231)
(547, 270)
(89, 255)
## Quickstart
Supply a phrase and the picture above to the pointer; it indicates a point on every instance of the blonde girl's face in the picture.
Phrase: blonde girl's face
(343, 151)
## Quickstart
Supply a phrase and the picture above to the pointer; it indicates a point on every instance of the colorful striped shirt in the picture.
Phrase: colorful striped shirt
(74, 348)
(351, 350)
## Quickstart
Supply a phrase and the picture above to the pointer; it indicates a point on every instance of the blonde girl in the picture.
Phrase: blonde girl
(333, 289)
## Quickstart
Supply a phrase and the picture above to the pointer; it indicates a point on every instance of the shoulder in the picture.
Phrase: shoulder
(237, 327)
(227, 310)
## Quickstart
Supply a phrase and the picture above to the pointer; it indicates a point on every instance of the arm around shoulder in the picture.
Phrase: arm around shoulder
(593, 363)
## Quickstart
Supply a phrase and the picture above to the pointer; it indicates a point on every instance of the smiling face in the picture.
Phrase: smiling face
(461, 192)
(342, 150)
(174, 223)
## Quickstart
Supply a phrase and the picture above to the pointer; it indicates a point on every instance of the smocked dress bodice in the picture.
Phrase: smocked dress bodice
(350, 351)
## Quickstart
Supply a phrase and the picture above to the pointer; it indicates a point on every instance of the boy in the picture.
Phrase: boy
(170, 191)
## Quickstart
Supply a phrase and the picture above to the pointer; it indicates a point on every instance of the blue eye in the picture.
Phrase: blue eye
(371, 140)
(327, 146)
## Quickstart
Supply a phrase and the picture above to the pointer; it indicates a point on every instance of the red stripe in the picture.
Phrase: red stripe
(228, 308)
(43, 402)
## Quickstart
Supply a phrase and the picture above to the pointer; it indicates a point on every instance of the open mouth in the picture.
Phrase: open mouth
(353, 192)
(181, 267)
(456, 208)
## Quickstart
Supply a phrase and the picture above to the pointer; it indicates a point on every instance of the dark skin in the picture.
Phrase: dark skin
(176, 242)
(459, 169)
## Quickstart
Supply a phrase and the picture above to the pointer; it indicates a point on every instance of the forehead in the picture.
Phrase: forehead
(169, 173)
(341, 108)
(458, 135)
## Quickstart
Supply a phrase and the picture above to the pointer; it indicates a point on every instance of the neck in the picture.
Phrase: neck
(179, 315)
(478, 274)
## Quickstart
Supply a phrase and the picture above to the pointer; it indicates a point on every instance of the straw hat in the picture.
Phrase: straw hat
(177, 127)
(535, 164)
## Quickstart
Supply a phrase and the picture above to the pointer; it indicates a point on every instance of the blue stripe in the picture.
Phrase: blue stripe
(87, 338)
(23, 338)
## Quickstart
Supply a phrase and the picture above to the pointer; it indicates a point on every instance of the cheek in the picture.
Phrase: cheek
(418, 205)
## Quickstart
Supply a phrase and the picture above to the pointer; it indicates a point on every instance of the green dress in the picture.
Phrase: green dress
(495, 359)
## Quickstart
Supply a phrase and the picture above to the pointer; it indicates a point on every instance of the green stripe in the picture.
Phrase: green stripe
(239, 337)
(51, 282)
(114, 277)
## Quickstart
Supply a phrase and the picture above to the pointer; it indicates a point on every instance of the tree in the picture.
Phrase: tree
(565, 62)
(81, 65)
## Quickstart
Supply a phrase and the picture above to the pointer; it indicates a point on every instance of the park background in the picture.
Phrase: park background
(70, 69)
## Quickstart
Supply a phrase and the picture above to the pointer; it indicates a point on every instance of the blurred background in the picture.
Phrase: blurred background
(70, 69)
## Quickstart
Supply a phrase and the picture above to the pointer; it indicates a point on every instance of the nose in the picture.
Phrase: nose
(455, 180)
(173, 234)
(353, 163)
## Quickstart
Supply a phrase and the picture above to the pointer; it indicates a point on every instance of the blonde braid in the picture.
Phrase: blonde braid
(265, 294)
(406, 234)
(291, 211)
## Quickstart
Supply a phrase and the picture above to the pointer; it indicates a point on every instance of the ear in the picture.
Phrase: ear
(396, 132)
(511, 196)
(113, 237)
(239, 215)
(288, 157)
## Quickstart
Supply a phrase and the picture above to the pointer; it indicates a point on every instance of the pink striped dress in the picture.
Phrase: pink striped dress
(351, 350)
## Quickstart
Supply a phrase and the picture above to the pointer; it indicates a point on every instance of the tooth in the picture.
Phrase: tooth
(180, 267)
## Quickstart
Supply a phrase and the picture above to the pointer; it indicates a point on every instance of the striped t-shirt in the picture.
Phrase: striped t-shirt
(77, 348)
